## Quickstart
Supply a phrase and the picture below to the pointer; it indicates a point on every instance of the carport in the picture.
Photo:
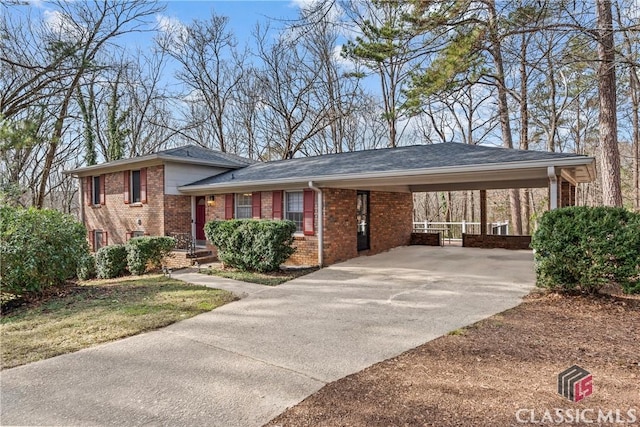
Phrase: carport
(345, 183)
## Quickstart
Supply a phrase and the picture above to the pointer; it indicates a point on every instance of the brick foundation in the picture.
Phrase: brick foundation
(426, 239)
(491, 241)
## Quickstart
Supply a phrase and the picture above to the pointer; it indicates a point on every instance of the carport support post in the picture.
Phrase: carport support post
(483, 212)
(553, 187)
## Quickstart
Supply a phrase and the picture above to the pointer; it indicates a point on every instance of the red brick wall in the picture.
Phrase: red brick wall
(306, 251)
(391, 220)
(492, 241)
(391, 224)
(340, 225)
(117, 218)
(267, 204)
(177, 214)
(426, 239)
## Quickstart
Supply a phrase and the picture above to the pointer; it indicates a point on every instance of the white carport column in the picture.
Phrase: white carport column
(193, 218)
(553, 187)
(320, 207)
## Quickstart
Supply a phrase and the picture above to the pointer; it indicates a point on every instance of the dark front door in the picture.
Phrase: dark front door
(200, 217)
(362, 209)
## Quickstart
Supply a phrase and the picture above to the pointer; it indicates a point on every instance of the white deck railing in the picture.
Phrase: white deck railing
(454, 230)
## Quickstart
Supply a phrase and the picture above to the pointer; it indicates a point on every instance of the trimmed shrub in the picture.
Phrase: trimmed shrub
(254, 245)
(111, 261)
(38, 248)
(583, 248)
(146, 251)
(87, 267)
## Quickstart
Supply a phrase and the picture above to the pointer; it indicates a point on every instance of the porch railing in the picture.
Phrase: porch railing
(184, 242)
(455, 230)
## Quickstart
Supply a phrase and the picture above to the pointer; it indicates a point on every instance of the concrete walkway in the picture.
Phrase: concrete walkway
(244, 363)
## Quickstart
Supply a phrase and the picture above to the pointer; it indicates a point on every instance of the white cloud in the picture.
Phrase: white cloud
(62, 25)
(171, 26)
(346, 63)
(36, 3)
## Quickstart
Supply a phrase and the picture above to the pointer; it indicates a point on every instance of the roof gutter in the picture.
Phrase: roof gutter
(489, 167)
(320, 222)
(123, 164)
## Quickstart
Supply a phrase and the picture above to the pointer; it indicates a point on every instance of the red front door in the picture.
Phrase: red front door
(200, 217)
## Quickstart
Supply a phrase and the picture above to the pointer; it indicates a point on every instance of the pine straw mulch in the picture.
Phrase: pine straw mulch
(482, 375)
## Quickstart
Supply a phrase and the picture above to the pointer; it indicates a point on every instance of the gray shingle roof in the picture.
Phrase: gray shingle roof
(199, 153)
(381, 160)
(185, 154)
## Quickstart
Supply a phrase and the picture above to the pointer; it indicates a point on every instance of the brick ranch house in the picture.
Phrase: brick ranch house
(362, 200)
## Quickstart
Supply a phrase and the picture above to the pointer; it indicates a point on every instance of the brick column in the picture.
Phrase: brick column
(483, 212)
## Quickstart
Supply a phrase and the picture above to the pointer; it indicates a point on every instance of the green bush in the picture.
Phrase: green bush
(253, 245)
(87, 267)
(111, 261)
(38, 248)
(582, 248)
(148, 251)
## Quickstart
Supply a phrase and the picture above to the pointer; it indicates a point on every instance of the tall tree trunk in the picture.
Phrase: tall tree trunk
(634, 91)
(503, 111)
(524, 124)
(635, 123)
(609, 154)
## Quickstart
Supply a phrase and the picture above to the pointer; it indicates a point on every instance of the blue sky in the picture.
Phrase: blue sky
(242, 15)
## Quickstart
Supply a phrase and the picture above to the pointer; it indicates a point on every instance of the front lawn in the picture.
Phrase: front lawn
(88, 313)
(274, 278)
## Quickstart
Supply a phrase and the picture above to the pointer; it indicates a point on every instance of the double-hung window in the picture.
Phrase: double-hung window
(294, 208)
(96, 190)
(244, 206)
(135, 187)
(99, 239)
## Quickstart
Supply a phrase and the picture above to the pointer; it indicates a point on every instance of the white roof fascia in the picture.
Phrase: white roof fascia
(327, 179)
(151, 159)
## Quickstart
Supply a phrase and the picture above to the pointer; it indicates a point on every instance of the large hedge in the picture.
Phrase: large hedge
(254, 245)
(111, 261)
(39, 248)
(583, 248)
(146, 251)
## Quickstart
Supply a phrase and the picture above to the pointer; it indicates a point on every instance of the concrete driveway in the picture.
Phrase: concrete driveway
(244, 363)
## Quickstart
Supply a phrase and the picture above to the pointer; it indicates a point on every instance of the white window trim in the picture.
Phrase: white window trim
(236, 205)
(285, 210)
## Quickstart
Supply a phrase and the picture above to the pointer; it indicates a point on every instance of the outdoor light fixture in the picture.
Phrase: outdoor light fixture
(211, 200)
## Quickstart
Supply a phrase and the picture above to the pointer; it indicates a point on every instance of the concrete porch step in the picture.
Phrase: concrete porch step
(200, 254)
(204, 259)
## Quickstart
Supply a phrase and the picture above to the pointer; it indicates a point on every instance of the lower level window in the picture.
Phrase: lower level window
(294, 208)
(137, 233)
(99, 239)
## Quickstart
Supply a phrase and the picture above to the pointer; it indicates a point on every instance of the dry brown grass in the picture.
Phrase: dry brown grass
(85, 314)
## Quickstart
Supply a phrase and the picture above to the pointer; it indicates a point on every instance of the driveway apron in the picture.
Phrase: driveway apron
(244, 363)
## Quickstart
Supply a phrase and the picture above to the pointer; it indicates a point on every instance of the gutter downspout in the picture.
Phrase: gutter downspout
(553, 187)
(320, 223)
